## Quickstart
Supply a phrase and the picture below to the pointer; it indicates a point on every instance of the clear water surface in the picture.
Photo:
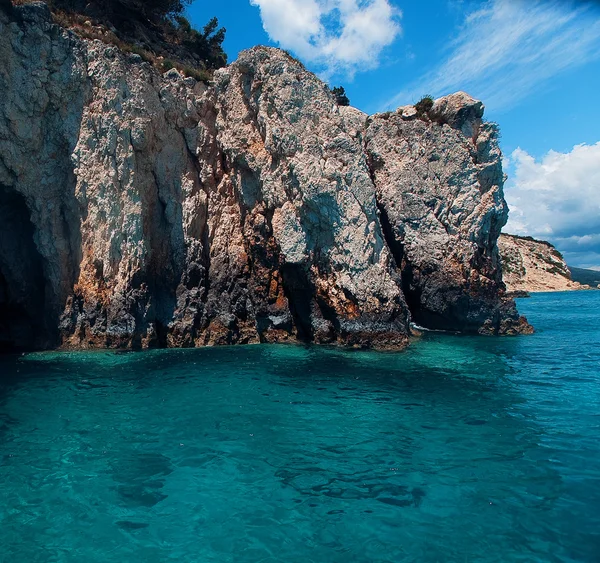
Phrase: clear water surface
(461, 449)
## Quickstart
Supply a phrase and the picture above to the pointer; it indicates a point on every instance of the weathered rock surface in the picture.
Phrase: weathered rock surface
(439, 190)
(147, 210)
(533, 265)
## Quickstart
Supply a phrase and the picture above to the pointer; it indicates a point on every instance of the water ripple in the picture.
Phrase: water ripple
(461, 449)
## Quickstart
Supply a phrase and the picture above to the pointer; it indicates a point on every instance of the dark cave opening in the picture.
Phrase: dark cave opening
(300, 293)
(23, 323)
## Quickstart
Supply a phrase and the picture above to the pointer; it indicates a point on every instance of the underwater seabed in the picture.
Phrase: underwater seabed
(458, 449)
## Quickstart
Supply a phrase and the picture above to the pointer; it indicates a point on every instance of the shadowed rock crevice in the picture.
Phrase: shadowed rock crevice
(270, 306)
(411, 294)
(300, 293)
(24, 314)
(165, 265)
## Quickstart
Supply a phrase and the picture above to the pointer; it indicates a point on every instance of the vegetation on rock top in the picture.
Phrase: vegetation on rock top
(339, 93)
(156, 30)
(423, 106)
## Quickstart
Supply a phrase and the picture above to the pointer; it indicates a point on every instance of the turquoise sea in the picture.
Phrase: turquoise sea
(461, 449)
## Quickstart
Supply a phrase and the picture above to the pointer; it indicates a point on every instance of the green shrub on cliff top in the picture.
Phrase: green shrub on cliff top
(424, 105)
(339, 93)
(164, 29)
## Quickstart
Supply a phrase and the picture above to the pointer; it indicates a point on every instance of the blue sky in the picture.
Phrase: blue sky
(534, 63)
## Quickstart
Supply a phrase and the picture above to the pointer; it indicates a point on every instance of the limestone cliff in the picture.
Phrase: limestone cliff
(141, 209)
(533, 265)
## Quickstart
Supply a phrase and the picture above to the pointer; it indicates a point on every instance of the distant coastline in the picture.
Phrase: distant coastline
(586, 277)
(534, 266)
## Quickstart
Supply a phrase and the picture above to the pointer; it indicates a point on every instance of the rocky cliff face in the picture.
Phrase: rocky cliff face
(141, 209)
(533, 265)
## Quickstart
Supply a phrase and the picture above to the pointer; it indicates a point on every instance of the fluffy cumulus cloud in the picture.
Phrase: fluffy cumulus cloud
(341, 36)
(557, 198)
(506, 49)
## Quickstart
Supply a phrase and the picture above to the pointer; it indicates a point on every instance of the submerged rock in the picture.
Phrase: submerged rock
(152, 210)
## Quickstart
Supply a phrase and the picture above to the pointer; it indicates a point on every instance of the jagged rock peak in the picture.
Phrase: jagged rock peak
(460, 111)
(150, 210)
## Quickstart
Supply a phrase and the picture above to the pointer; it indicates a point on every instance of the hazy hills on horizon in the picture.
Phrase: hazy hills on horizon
(585, 276)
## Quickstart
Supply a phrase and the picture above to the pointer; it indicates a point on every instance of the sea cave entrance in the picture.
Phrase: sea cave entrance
(22, 282)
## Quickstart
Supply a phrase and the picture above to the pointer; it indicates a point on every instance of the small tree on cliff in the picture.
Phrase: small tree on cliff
(207, 44)
(339, 93)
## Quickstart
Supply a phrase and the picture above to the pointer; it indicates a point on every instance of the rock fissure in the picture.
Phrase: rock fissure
(396, 247)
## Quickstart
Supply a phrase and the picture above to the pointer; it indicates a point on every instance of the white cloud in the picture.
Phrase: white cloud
(341, 36)
(508, 48)
(558, 199)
